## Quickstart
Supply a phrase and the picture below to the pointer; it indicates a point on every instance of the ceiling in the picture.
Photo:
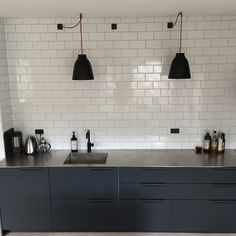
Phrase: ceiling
(114, 8)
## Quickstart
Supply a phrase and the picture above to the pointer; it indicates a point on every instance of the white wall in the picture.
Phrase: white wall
(2, 149)
(131, 103)
(5, 100)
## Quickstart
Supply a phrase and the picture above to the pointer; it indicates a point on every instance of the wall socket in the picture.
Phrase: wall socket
(174, 130)
(39, 131)
(114, 26)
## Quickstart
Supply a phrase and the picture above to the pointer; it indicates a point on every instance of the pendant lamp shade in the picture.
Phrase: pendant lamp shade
(179, 68)
(82, 69)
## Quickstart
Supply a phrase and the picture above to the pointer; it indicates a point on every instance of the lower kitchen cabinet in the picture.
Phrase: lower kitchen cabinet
(105, 199)
(25, 199)
(85, 215)
(208, 216)
(146, 215)
(84, 183)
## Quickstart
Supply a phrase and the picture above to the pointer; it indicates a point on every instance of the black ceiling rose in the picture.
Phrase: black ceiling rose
(82, 69)
(179, 68)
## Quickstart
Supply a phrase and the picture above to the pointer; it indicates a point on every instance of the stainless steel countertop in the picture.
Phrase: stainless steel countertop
(129, 158)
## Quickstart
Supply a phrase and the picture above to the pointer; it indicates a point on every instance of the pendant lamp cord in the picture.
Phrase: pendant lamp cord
(81, 37)
(181, 28)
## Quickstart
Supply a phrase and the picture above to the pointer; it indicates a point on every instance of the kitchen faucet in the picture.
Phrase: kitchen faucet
(89, 144)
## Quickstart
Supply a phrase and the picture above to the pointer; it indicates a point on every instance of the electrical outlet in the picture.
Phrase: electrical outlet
(174, 130)
(114, 26)
(59, 26)
(170, 25)
(39, 131)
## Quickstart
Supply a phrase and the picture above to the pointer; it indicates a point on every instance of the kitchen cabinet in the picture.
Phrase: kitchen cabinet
(203, 216)
(124, 199)
(25, 199)
(143, 174)
(144, 190)
(84, 183)
(84, 199)
(144, 204)
(94, 215)
(203, 200)
(188, 199)
(144, 215)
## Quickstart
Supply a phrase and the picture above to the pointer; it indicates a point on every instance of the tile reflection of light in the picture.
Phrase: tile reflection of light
(23, 62)
(158, 69)
(153, 62)
(22, 100)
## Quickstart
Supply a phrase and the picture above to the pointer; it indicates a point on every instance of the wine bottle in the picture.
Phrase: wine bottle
(223, 146)
(74, 143)
(207, 142)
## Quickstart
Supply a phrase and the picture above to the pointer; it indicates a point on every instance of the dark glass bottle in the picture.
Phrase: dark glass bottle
(207, 142)
(74, 143)
(223, 149)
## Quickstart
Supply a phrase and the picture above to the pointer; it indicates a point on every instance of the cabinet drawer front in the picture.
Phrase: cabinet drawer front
(144, 190)
(83, 183)
(81, 215)
(140, 175)
(203, 175)
(191, 175)
(224, 175)
(203, 191)
(147, 215)
(206, 216)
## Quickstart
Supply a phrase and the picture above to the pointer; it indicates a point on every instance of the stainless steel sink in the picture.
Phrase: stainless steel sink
(86, 158)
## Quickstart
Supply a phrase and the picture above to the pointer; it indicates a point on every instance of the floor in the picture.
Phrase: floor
(114, 234)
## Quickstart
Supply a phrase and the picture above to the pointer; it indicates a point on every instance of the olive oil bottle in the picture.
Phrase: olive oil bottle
(214, 142)
(220, 143)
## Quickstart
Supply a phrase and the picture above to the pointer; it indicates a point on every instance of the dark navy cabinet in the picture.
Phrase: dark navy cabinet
(84, 199)
(84, 183)
(144, 204)
(144, 175)
(25, 199)
(85, 215)
(124, 199)
(208, 216)
(144, 215)
(203, 200)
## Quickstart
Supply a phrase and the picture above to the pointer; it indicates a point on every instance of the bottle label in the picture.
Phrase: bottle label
(74, 145)
(220, 144)
(206, 144)
(214, 144)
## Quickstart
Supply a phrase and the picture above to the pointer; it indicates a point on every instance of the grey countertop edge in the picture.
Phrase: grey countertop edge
(129, 158)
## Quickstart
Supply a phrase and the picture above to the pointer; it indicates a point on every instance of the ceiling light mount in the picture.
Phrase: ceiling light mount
(179, 68)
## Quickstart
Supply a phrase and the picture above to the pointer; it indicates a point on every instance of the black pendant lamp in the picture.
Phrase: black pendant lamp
(179, 68)
(82, 67)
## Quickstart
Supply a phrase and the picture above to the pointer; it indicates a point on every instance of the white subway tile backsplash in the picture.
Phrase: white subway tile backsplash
(131, 97)
(29, 37)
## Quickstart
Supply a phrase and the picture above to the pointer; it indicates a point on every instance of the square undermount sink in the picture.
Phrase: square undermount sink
(86, 158)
